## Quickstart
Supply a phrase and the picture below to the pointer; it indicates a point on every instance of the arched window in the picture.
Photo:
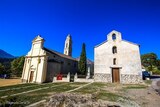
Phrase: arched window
(114, 49)
(113, 36)
(114, 61)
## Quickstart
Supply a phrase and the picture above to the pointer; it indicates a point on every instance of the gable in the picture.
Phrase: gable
(115, 37)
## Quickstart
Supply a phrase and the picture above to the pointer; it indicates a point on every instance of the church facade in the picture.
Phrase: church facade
(117, 60)
(42, 64)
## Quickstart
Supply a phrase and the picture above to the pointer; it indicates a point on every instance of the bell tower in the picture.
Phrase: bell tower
(68, 46)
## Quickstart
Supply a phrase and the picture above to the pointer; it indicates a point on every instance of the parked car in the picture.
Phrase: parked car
(146, 74)
(4, 76)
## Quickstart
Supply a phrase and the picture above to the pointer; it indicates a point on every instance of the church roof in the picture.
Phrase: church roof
(59, 54)
(131, 42)
(88, 61)
(100, 44)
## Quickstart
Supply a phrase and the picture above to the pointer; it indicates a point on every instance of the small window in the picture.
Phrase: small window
(114, 50)
(114, 61)
(114, 37)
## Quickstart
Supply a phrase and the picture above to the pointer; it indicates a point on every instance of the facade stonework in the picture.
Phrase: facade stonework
(117, 57)
(101, 77)
(131, 79)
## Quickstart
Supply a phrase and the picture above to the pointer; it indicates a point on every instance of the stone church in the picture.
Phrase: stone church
(117, 60)
(42, 64)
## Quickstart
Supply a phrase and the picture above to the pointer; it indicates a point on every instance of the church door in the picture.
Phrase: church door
(115, 75)
(31, 76)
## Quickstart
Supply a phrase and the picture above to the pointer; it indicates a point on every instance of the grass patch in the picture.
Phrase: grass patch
(100, 84)
(108, 96)
(23, 89)
(148, 82)
(135, 87)
(92, 88)
(77, 83)
(15, 86)
(88, 89)
(10, 92)
(21, 100)
(36, 96)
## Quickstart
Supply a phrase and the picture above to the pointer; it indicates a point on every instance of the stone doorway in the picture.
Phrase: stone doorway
(115, 75)
(31, 76)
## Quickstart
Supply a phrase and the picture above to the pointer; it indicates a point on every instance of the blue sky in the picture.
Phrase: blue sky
(87, 21)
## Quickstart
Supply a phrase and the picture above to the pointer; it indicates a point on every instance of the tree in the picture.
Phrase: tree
(82, 64)
(158, 64)
(149, 60)
(6, 62)
(17, 66)
(1, 69)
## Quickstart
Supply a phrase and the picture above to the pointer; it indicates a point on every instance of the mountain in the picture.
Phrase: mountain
(4, 54)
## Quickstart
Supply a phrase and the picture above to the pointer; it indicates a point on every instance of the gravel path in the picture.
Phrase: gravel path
(156, 85)
(148, 97)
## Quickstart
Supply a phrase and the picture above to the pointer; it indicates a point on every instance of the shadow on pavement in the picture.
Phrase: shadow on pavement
(154, 76)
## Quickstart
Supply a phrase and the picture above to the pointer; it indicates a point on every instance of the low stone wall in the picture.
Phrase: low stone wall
(24, 80)
(86, 79)
(64, 79)
(131, 79)
(101, 77)
(83, 80)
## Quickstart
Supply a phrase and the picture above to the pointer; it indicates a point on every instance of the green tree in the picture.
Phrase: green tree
(82, 65)
(17, 66)
(149, 60)
(1, 69)
(6, 62)
(158, 64)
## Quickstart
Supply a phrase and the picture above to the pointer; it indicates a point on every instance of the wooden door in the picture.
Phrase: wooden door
(31, 76)
(115, 75)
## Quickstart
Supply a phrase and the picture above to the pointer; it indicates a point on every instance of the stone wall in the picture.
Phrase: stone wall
(101, 77)
(131, 79)
(64, 79)
(76, 79)
(124, 79)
